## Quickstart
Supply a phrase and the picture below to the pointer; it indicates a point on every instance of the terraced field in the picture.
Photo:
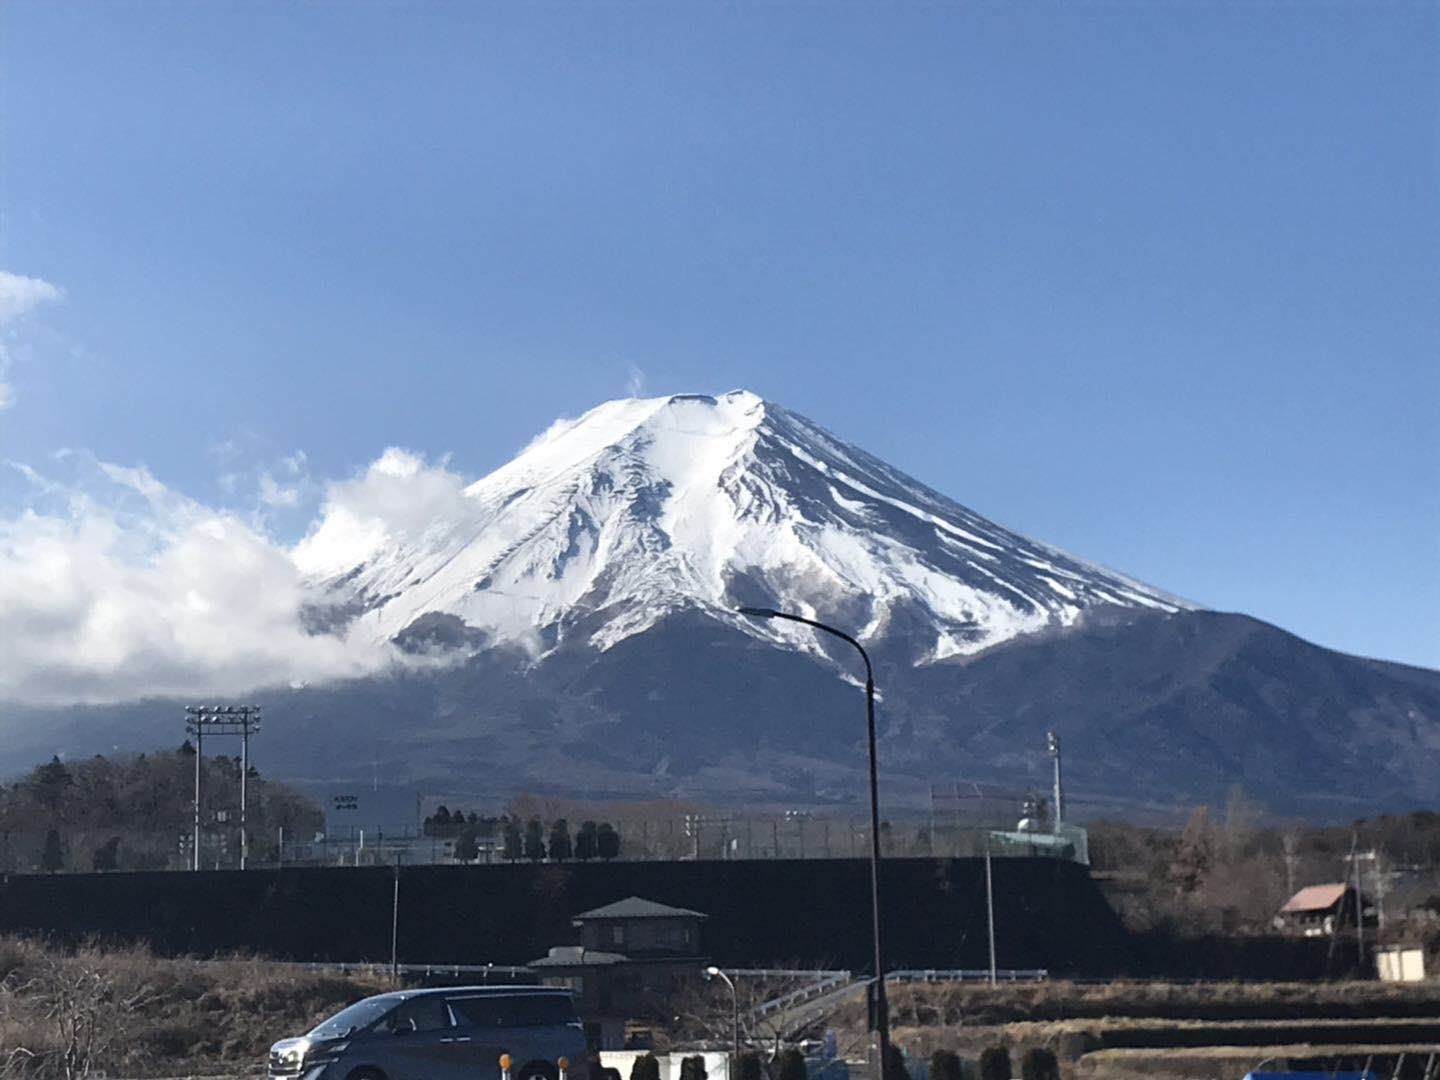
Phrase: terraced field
(1155, 1031)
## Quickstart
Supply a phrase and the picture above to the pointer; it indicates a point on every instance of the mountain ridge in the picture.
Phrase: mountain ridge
(571, 621)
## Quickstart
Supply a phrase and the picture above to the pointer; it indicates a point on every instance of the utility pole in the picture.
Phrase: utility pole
(1052, 742)
(242, 720)
(395, 927)
(199, 770)
(1290, 844)
(244, 777)
(1359, 899)
(1373, 857)
(990, 906)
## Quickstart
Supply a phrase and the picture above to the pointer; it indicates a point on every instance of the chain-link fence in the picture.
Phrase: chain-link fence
(678, 838)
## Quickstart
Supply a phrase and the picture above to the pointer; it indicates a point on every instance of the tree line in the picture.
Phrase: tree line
(517, 840)
(135, 812)
(1228, 870)
(1036, 1063)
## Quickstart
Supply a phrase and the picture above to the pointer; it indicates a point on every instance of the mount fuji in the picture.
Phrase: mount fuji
(570, 625)
(642, 509)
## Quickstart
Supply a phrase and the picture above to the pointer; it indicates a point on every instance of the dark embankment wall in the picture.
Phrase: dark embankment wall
(811, 912)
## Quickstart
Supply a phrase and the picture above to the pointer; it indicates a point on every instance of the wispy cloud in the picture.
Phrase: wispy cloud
(635, 381)
(19, 297)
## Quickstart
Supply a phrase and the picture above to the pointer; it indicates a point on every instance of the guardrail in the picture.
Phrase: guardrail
(831, 981)
(424, 970)
(967, 975)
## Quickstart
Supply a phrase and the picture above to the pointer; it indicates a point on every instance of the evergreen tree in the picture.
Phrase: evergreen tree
(466, 849)
(107, 855)
(792, 1065)
(514, 842)
(51, 781)
(534, 840)
(560, 840)
(749, 1067)
(995, 1063)
(693, 1068)
(586, 845)
(52, 857)
(646, 1067)
(945, 1065)
(607, 841)
(1039, 1064)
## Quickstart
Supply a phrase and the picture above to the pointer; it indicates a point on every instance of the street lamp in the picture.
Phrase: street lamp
(882, 1011)
(714, 973)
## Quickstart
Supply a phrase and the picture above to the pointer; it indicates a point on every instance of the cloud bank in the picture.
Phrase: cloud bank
(115, 587)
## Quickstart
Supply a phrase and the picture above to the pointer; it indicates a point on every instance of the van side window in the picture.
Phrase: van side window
(427, 1014)
(514, 1010)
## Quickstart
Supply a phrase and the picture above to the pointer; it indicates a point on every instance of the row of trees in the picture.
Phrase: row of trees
(1228, 871)
(530, 841)
(1037, 1063)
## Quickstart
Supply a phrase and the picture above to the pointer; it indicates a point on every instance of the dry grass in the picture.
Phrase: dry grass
(947, 1004)
(125, 1011)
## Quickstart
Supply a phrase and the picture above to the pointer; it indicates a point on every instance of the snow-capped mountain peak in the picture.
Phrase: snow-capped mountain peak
(645, 506)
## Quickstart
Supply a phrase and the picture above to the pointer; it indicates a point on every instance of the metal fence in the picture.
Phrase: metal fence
(675, 838)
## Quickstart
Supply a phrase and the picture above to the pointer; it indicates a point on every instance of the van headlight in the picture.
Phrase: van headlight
(325, 1053)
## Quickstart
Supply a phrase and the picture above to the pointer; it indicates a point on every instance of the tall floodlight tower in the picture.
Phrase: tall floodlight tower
(242, 720)
(1052, 742)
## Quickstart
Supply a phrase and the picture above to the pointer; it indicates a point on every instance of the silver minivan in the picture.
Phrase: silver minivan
(438, 1034)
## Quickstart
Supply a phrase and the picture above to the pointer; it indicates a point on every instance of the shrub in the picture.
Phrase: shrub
(646, 1067)
(895, 1067)
(945, 1065)
(995, 1063)
(748, 1067)
(692, 1068)
(1039, 1064)
(792, 1065)
(1073, 1045)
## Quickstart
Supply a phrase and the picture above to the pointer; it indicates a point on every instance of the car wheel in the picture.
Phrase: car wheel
(365, 1074)
(539, 1070)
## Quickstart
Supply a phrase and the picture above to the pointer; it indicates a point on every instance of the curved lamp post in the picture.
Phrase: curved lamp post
(882, 1011)
(714, 973)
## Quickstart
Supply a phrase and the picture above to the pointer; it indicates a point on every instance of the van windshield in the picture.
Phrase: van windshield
(360, 1015)
(514, 1010)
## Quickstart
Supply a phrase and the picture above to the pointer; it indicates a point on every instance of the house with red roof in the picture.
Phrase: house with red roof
(1319, 910)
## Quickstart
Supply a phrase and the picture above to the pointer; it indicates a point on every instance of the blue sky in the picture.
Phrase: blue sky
(1157, 284)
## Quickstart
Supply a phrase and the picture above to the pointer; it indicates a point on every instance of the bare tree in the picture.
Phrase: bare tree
(84, 1017)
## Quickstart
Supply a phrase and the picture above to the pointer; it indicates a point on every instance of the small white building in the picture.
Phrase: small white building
(1400, 964)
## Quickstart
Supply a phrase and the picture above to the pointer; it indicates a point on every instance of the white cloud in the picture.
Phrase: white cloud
(19, 296)
(399, 497)
(277, 495)
(114, 587)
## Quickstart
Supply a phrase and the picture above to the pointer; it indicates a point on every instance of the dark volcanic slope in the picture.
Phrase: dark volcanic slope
(1157, 709)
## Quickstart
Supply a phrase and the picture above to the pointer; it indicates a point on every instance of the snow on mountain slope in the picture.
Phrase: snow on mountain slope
(642, 507)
